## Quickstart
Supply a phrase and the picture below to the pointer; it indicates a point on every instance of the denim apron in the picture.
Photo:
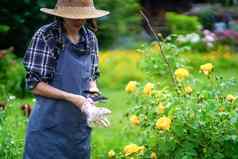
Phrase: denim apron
(57, 129)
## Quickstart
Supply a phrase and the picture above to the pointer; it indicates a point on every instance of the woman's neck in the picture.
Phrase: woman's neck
(72, 33)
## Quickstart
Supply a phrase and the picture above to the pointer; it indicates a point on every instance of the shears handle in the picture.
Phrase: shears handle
(95, 96)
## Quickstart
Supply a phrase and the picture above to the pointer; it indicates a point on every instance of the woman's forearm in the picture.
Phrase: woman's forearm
(43, 89)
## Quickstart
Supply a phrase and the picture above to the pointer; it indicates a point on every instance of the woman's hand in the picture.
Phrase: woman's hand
(95, 115)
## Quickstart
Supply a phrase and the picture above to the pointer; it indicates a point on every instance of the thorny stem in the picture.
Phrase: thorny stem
(161, 50)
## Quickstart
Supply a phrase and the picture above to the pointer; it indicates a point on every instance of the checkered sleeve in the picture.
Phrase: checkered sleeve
(38, 61)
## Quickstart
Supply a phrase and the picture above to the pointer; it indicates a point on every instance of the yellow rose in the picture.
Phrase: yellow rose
(221, 109)
(188, 89)
(206, 68)
(135, 120)
(231, 98)
(181, 74)
(160, 108)
(133, 148)
(111, 154)
(148, 89)
(163, 123)
(153, 155)
(131, 87)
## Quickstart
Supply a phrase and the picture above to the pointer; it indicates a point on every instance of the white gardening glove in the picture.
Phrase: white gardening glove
(102, 122)
(95, 115)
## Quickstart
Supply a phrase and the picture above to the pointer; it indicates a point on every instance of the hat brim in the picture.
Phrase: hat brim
(76, 12)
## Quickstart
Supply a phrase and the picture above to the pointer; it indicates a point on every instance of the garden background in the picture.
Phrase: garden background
(173, 93)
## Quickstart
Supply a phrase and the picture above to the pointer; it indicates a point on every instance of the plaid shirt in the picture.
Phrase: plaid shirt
(44, 49)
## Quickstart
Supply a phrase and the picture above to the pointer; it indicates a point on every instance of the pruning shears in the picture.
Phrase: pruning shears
(95, 96)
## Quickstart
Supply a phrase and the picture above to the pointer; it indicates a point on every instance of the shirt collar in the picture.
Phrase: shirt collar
(83, 33)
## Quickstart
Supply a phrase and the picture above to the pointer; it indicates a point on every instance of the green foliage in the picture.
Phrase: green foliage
(11, 76)
(24, 18)
(152, 62)
(182, 24)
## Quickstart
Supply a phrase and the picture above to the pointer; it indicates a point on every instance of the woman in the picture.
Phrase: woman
(62, 67)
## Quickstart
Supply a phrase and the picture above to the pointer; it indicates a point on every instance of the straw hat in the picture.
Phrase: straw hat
(75, 9)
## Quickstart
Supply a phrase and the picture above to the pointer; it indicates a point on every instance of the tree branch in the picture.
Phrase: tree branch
(161, 50)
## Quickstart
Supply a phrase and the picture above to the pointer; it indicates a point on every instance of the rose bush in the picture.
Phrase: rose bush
(196, 117)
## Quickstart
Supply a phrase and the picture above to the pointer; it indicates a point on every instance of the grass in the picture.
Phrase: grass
(12, 130)
(112, 138)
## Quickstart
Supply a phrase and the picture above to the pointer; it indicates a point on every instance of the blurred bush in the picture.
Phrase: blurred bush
(182, 24)
(228, 37)
(123, 20)
(11, 75)
(119, 67)
(225, 2)
(210, 14)
(24, 17)
(233, 25)
(224, 58)
(207, 17)
(193, 41)
(4, 28)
